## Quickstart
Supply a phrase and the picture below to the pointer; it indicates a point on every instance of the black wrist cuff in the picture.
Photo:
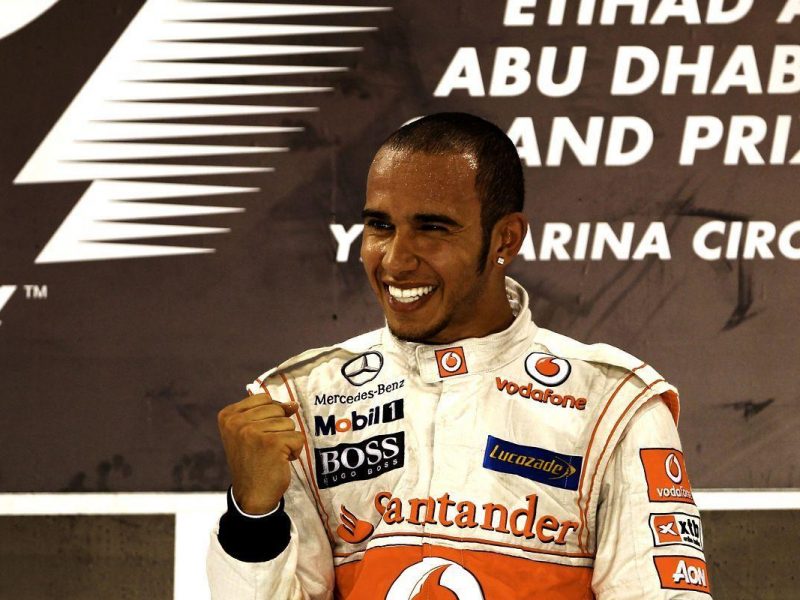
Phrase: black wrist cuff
(251, 539)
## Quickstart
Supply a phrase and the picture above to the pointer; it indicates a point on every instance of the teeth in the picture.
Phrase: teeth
(409, 295)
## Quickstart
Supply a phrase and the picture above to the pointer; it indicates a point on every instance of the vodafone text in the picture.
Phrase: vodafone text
(544, 396)
(521, 522)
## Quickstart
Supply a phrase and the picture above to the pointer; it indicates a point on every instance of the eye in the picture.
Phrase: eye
(378, 224)
(433, 227)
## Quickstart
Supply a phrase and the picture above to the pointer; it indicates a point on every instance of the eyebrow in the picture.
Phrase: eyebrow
(368, 213)
(418, 218)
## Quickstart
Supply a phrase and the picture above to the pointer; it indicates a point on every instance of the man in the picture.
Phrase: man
(461, 452)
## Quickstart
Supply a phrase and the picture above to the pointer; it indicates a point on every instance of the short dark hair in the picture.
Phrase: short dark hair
(499, 181)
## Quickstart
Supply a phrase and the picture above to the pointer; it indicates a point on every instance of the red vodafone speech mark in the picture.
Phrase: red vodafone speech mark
(451, 361)
(433, 589)
(665, 471)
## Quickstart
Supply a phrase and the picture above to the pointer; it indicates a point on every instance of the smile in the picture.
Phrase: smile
(409, 295)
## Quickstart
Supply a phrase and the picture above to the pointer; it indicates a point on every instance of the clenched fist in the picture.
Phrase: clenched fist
(259, 439)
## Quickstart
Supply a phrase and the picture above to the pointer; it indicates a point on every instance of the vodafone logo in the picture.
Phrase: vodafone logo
(435, 578)
(451, 361)
(667, 478)
(673, 468)
(547, 369)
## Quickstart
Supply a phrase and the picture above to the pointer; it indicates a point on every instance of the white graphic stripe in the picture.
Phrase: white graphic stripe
(167, 91)
(99, 131)
(201, 50)
(6, 291)
(200, 11)
(87, 231)
(14, 15)
(160, 71)
(185, 31)
(81, 171)
(130, 89)
(89, 151)
(143, 111)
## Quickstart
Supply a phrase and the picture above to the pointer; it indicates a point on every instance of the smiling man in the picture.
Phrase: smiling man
(462, 451)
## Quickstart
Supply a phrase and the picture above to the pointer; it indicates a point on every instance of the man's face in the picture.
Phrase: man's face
(421, 245)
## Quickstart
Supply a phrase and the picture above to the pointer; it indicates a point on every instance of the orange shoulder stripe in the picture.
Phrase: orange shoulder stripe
(602, 453)
(625, 380)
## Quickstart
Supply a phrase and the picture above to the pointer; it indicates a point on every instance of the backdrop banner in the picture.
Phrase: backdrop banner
(181, 185)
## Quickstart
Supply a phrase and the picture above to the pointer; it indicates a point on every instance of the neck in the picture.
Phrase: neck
(495, 315)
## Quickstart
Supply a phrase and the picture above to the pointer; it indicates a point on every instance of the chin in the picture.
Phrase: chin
(417, 335)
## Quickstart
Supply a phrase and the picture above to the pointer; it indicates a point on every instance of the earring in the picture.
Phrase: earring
(501, 260)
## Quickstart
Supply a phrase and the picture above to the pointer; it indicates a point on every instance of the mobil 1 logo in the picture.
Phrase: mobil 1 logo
(362, 460)
(330, 425)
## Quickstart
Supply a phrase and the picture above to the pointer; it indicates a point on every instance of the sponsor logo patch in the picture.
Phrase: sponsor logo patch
(380, 389)
(665, 471)
(363, 368)
(547, 369)
(524, 521)
(676, 528)
(362, 460)
(353, 530)
(536, 464)
(547, 396)
(330, 425)
(451, 361)
(682, 573)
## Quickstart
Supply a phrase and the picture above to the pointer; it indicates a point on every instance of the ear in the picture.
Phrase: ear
(507, 237)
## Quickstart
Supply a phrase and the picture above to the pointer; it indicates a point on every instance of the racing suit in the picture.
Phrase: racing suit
(523, 464)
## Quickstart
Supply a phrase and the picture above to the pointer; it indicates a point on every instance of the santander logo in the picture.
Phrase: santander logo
(353, 530)
(435, 578)
(547, 369)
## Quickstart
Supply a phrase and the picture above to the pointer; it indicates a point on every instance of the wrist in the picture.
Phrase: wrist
(248, 510)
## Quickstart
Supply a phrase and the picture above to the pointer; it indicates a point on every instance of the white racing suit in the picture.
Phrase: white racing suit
(523, 464)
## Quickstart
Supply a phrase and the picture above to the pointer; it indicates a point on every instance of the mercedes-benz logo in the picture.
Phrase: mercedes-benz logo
(363, 368)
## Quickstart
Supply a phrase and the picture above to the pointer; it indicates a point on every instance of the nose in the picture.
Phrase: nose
(400, 254)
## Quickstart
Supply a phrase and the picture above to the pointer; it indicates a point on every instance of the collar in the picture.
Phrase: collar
(472, 355)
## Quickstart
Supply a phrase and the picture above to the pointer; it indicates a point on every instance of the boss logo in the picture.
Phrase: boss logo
(359, 461)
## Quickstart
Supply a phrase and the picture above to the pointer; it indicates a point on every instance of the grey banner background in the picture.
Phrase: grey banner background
(114, 381)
